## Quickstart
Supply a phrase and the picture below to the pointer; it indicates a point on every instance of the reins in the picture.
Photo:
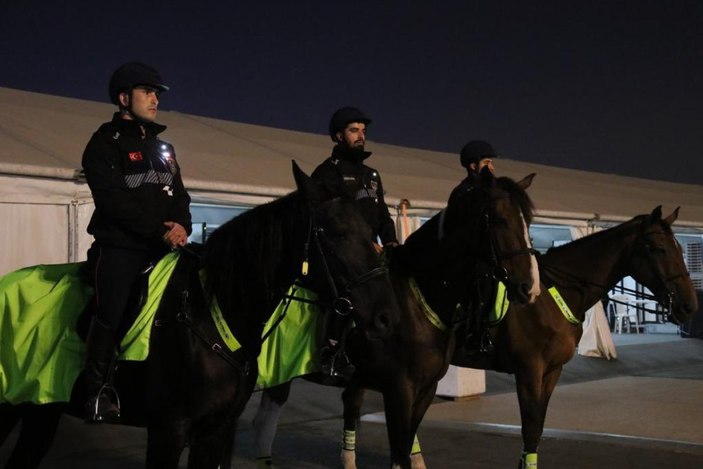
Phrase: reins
(649, 255)
(184, 317)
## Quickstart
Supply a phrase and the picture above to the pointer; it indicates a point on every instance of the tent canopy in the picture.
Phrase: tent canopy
(43, 135)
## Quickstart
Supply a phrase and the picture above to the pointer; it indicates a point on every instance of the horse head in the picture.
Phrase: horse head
(657, 262)
(497, 213)
(344, 268)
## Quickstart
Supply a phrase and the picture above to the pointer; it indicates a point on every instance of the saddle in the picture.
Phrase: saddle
(136, 301)
(138, 296)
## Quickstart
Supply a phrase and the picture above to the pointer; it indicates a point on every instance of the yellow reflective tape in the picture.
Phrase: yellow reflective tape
(529, 460)
(416, 446)
(565, 310)
(431, 315)
(349, 440)
(500, 306)
(225, 332)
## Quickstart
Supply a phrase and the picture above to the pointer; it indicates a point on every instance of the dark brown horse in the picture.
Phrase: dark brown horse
(484, 230)
(534, 342)
(192, 388)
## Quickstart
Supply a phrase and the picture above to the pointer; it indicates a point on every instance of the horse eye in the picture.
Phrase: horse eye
(501, 222)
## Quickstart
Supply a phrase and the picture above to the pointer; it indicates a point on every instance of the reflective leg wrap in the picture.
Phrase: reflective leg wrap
(264, 463)
(349, 440)
(416, 447)
(528, 461)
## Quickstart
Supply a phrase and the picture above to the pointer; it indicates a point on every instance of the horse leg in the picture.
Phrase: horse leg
(165, 443)
(9, 416)
(266, 422)
(39, 425)
(213, 450)
(534, 389)
(422, 403)
(353, 399)
(398, 405)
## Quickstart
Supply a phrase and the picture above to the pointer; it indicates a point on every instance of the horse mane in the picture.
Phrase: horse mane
(242, 257)
(603, 236)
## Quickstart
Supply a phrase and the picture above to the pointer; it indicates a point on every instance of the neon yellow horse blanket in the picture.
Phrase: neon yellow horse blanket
(41, 354)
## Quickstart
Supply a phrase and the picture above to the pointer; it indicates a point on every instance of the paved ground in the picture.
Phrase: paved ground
(642, 410)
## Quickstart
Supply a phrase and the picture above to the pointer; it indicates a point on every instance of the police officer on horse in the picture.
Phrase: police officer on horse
(141, 213)
(346, 165)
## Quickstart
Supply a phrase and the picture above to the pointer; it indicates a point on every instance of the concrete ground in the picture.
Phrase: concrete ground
(642, 410)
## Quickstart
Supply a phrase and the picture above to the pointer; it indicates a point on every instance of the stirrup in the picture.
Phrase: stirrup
(335, 362)
(95, 415)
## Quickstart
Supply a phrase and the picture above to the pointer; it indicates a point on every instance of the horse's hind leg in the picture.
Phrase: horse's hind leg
(266, 421)
(353, 398)
(39, 424)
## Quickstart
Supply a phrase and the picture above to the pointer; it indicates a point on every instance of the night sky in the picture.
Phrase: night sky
(608, 86)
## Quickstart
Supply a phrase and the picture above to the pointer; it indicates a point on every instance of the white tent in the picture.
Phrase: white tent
(45, 208)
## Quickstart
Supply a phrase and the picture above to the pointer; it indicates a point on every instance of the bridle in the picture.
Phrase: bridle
(341, 303)
(664, 281)
(644, 243)
(496, 256)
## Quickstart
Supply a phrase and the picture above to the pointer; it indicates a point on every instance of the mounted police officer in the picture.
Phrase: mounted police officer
(141, 213)
(347, 129)
(474, 156)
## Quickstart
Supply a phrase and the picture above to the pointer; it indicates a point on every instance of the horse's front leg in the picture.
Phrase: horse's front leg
(398, 404)
(353, 399)
(422, 403)
(266, 422)
(39, 425)
(213, 449)
(165, 443)
(534, 388)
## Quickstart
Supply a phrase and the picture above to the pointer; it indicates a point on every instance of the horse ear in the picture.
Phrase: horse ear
(300, 177)
(313, 191)
(672, 218)
(305, 184)
(656, 213)
(526, 181)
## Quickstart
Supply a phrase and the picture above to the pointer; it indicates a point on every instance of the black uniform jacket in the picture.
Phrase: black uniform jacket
(136, 185)
(347, 165)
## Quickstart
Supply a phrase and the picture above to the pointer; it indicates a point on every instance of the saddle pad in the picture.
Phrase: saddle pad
(41, 355)
(291, 349)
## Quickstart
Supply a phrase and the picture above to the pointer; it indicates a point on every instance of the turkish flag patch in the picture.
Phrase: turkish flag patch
(135, 156)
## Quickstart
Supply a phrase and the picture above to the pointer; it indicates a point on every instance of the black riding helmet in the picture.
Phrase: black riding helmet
(344, 116)
(134, 74)
(475, 151)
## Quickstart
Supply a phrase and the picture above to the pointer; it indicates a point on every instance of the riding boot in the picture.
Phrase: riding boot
(103, 404)
(333, 358)
(486, 342)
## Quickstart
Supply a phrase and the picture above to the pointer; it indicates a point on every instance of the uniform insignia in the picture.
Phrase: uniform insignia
(374, 185)
(135, 156)
(172, 165)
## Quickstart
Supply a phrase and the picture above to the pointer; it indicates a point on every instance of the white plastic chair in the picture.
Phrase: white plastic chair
(624, 314)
